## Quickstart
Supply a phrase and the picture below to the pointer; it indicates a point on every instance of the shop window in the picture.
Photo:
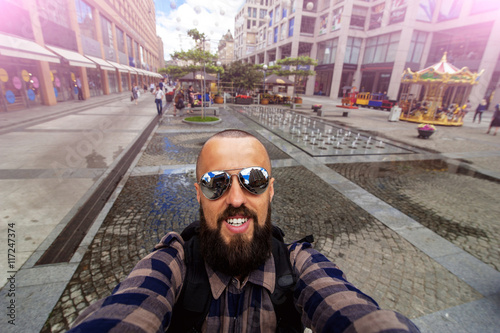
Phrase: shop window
(416, 46)
(327, 51)
(352, 50)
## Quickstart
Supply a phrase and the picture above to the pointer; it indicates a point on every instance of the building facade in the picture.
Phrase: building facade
(368, 44)
(50, 50)
(225, 49)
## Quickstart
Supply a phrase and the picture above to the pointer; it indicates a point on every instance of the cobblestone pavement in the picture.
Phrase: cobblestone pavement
(460, 208)
(375, 258)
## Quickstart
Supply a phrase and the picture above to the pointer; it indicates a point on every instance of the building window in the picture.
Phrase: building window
(358, 17)
(55, 11)
(352, 50)
(290, 26)
(277, 14)
(307, 25)
(376, 16)
(262, 13)
(107, 32)
(129, 46)
(119, 40)
(337, 18)
(254, 13)
(249, 12)
(327, 51)
(283, 31)
(275, 34)
(416, 46)
(449, 10)
(464, 44)
(381, 49)
(271, 18)
(323, 24)
(426, 10)
(482, 6)
(284, 12)
(85, 19)
(249, 24)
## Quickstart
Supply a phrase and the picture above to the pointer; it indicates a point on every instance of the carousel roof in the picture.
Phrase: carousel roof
(444, 72)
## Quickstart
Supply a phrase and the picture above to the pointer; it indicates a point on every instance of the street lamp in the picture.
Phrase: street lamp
(264, 84)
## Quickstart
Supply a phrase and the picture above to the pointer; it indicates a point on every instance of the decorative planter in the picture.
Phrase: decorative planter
(264, 101)
(219, 100)
(424, 134)
(297, 100)
(244, 101)
(316, 107)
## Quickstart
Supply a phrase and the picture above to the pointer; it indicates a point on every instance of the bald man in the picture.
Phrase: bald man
(231, 273)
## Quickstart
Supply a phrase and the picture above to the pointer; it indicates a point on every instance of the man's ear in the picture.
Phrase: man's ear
(198, 192)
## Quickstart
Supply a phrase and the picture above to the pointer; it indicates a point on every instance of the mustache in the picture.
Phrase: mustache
(232, 211)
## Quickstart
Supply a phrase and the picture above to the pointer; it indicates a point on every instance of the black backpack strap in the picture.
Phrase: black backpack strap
(193, 303)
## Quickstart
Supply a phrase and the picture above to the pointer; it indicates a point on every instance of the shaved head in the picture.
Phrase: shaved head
(233, 134)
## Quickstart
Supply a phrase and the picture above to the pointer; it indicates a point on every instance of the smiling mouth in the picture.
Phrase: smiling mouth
(236, 222)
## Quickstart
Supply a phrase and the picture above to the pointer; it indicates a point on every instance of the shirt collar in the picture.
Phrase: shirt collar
(264, 276)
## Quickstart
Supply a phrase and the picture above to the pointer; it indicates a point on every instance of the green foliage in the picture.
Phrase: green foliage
(201, 119)
(243, 76)
(298, 73)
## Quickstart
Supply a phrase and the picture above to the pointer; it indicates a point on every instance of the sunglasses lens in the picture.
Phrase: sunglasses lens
(254, 179)
(213, 184)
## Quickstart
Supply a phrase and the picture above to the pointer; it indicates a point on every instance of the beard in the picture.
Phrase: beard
(240, 256)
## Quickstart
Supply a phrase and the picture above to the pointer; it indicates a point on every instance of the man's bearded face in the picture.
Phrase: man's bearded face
(240, 255)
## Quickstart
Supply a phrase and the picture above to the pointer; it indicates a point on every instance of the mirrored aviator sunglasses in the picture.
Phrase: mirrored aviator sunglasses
(213, 184)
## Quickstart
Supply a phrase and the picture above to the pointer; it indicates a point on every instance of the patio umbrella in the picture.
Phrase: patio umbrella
(198, 76)
(278, 80)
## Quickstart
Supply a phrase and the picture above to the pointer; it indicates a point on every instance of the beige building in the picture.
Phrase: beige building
(225, 49)
(368, 44)
(52, 50)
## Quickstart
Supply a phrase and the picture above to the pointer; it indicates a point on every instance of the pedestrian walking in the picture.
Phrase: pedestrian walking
(159, 99)
(495, 121)
(80, 91)
(135, 93)
(479, 110)
(152, 87)
(231, 271)
(179, 105)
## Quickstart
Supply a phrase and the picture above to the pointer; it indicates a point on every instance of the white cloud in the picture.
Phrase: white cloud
(213, 18)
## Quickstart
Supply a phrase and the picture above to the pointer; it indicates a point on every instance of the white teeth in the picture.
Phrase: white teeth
(236, 222)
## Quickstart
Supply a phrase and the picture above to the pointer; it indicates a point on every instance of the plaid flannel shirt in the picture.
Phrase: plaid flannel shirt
(143, 302)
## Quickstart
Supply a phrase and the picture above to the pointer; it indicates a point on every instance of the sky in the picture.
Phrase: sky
(175, 17)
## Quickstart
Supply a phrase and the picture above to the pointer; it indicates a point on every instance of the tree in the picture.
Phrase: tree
(243, 76)
(296, 68)
(197, 59)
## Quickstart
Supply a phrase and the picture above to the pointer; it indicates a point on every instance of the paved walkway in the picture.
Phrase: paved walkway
(430, 252)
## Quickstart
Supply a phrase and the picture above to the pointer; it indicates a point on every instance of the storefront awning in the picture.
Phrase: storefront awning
(102, 63)
(120, 67)
(74, 58)
(11, 46)
(132, 70)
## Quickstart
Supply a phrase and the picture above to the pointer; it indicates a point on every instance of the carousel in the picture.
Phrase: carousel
(436, 94)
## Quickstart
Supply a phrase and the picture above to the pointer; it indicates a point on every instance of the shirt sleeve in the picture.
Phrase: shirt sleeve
(329, 303)
(143, 302)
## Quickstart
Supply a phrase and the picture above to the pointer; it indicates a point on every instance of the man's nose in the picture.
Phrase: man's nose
(236, 195)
